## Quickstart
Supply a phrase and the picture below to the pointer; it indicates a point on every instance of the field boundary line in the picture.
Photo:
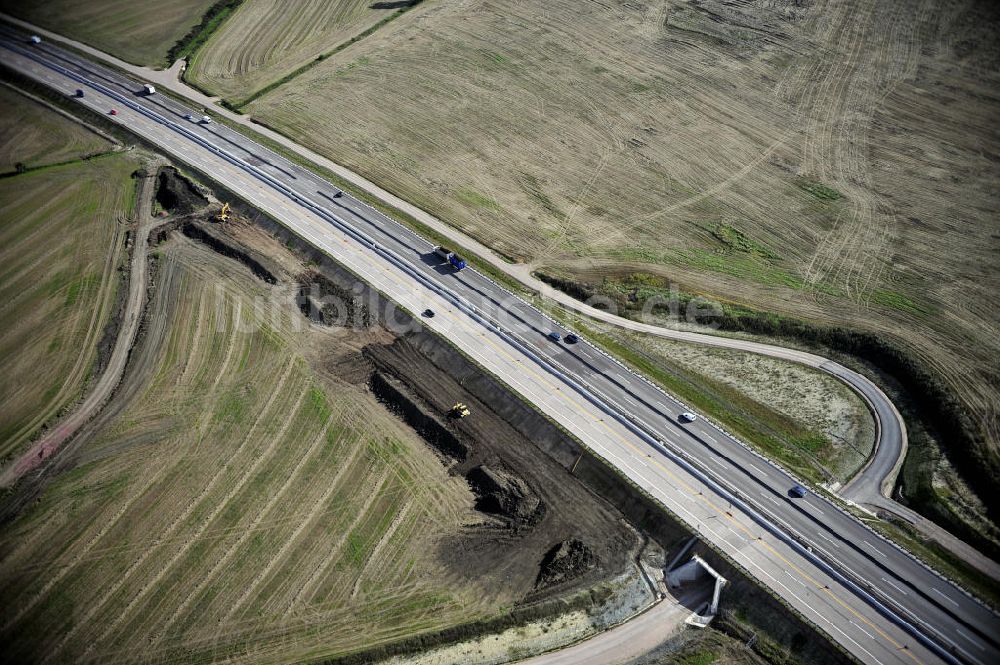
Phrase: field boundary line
(66, 114)
(302, 69)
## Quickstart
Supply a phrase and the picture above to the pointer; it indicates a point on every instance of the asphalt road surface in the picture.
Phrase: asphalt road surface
(870, 486)
(634, 638)
(871, 597)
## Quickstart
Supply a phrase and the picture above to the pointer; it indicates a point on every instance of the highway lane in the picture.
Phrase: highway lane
(870, 486)
(650, 408)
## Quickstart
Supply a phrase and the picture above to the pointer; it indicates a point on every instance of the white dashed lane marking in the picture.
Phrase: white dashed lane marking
(950, 600)
(875, 549)
(896, 587)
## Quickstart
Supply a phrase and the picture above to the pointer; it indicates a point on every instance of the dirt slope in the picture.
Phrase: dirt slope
(830, 160)
(291, 511)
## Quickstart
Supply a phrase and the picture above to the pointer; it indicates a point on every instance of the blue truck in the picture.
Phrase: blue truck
(456, 261)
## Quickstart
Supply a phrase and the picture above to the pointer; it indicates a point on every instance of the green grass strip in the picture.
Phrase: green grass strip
(200, 33)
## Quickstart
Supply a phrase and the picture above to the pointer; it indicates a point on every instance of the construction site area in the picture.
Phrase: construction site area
(273, 465)
(352, 332)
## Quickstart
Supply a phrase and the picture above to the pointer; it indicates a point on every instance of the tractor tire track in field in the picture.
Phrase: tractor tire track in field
(50, 443)
(89, 553)
(263, 41)
(265, 456)
(309, 588)
(396, 522)
(865, 58)
(81, 554)
(177, 523)
(99, 554)
(51, 439)
(317, 508)
(227, 556)
(196, 340)
(202, 425)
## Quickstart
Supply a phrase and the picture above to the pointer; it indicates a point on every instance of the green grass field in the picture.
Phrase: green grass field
(61, 241)
(33, 135)
(139, 31)
(240, 505)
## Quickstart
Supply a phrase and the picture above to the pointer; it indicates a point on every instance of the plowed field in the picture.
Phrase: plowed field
(267, 39)
(833, 160)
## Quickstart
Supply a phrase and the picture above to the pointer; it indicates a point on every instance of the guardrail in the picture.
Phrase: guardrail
(679, 458)
(772, 463)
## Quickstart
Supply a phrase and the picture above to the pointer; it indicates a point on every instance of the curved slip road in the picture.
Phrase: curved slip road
(873, 483)
(872, 598)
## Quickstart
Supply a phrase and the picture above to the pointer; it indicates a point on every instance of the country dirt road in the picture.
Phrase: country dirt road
(50, 442)
(635, 637)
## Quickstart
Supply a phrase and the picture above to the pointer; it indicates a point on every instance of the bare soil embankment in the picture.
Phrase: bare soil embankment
(829, 162)
(553, 519)
(529, 502)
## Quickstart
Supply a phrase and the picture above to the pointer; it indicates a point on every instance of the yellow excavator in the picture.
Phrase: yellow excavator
(223, 215)
(458, 411)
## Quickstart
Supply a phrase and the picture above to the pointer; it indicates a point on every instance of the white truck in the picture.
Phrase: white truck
(148, 89)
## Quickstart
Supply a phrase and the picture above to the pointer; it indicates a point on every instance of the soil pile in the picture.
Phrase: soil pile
(176, 194)
(565, 561)
(504, 494)
(324, 301)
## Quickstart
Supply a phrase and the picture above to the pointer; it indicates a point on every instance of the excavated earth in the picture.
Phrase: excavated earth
(541, 532)
(176, 194)
(533, 508)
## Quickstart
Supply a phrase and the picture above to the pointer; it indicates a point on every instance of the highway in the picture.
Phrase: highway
(854, 585)
(871, 485)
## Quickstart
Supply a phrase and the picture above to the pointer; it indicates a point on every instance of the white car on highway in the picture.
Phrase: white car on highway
(688, 417)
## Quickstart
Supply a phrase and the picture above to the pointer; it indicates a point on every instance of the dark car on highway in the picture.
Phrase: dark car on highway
(798, 491)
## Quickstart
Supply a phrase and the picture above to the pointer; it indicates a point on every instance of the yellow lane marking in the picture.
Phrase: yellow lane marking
(543, 378)
(692, 491)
